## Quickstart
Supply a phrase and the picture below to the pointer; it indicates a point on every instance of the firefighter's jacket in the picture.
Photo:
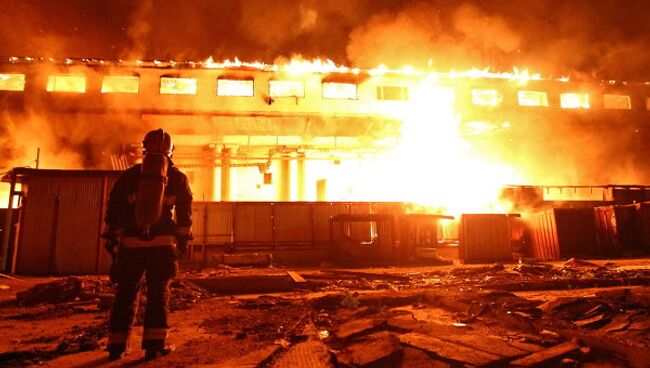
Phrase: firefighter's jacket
(120, 214)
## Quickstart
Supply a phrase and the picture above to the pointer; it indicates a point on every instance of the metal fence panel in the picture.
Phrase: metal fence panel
(361, 230)
(36, 247)
(212, 222)
(322, 213)
(78, 225)
(606, 235)
(643, 213)
(576, 232)
(292, 222)
(62, 223)
(617, 229)
(253, 222)
(627, 227)
(104, 260)
(485, 238)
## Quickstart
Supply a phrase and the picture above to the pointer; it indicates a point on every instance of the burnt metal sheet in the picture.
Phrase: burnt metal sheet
(617, 229)
(389, 208)
(485, 238)
(104, 258)
(564, 232)
(576, 232)
(292, 222)
(62, 222)
(629, 234)
(543, 236)
(212, 222)
(416, 231)
(36, 246)
(362, 230)
(78, 225)
(253, 222)
(322, 213)
(606, 234)
(380, 248)
(643, 213)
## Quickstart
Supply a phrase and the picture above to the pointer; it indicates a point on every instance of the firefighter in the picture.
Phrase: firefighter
(145, 240)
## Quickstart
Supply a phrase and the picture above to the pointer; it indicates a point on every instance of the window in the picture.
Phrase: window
(120, 84)
(617, 102)
(66, 83)
(286, 89)
(12, 82)
(340, 90)
(486, 97)
(177, 86)
(574, 101)
(392, 93)
(231, 87)
(532, 98)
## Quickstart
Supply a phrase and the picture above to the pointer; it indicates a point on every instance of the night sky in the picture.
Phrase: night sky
(590, 39)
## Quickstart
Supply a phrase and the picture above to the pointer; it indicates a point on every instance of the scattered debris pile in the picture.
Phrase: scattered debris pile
(528, 314)
(533, 276)
(184, 294)
(64, 290)
(451, 328)
(84, 290)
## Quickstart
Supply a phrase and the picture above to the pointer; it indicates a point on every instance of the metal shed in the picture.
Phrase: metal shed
(60, 222)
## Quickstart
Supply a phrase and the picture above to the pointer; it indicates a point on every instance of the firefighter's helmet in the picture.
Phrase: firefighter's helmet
(158, 141)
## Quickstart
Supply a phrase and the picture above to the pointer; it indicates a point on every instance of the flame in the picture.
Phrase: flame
(209, 63)
(433, 166)
(521, 76)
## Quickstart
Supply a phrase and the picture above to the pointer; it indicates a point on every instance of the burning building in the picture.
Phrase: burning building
(317, 132)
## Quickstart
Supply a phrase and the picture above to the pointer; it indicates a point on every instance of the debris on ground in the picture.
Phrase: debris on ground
(429, 317)
(64, 290)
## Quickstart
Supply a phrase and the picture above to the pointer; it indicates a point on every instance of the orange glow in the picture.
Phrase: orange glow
(178, 86)
(279, 88)
(522, 76)
(4, 196)
(228, 87)
(340, 90)
(392, 93)
(486, 97)
(120, 84)
(66, 83)
(433, 166)
(12, 82)
(532, 98)
(617, 102)
(574, 101)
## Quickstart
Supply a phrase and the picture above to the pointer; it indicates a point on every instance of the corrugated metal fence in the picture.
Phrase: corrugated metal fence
(591, 232)
(277, 224)
(63, 211)
(61, 223)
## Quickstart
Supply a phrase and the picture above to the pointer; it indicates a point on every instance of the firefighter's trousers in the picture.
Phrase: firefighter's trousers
(156, 265)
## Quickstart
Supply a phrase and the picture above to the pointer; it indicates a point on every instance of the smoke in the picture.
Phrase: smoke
(424, 36)
(598, 39)
(139, 30)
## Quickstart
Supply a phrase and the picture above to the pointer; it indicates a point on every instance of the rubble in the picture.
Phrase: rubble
(357, 318)
(381, 349)
(313, 354)
(547, 355)
(64, 290)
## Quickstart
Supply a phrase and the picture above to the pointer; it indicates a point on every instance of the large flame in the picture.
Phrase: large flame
(433, 166)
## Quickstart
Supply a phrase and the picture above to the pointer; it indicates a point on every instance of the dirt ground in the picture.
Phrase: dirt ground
(571, 314)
